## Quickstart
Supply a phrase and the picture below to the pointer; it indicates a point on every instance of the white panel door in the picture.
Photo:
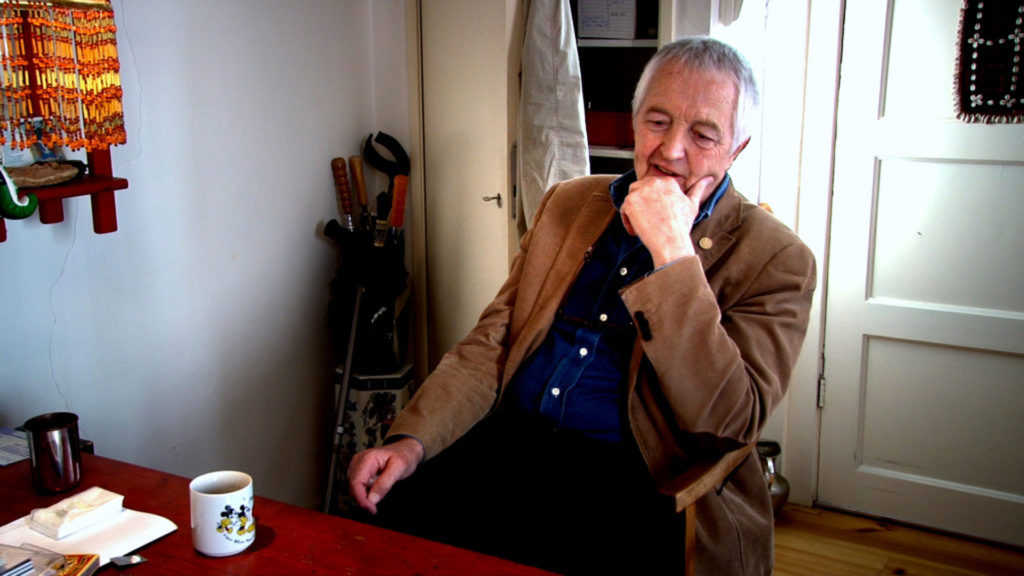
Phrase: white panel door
(924, 342)
(465, 47)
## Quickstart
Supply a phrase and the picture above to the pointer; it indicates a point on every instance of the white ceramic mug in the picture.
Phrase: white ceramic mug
(222, 518)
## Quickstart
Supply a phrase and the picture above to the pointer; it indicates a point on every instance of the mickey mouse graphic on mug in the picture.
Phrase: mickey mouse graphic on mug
(236, 521)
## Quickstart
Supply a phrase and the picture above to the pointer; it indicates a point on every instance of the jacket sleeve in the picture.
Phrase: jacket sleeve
(718, 347)
(465, 385)
(463, 388)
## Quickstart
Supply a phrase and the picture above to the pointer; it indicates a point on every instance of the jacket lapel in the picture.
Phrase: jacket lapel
(562, 270)
(713, 237)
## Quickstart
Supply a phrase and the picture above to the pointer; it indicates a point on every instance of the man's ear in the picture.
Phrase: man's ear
(739, 149)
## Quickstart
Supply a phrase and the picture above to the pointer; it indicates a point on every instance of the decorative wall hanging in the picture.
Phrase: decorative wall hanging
(60, 66)
(988, 64)
(61, 88)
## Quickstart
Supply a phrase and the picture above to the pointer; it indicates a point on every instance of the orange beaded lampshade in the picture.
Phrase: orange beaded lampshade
(61, 81)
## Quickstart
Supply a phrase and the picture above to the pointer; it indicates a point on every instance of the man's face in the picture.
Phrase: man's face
(684, 126)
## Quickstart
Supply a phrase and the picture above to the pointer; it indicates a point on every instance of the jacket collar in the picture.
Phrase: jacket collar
(713, 236)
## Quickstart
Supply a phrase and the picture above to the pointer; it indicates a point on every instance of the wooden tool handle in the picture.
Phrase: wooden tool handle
(341, 184)
(356, 164)
(398, 201)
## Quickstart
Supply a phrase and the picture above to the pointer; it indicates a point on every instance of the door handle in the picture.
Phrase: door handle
(495, 197)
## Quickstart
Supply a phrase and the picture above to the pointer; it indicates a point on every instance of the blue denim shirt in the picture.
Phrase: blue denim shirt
(577, 378)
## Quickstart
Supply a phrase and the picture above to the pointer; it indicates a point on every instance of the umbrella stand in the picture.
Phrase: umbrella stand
(373, 273)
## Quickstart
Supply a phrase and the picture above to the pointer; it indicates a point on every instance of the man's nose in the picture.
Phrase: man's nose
(674, 144)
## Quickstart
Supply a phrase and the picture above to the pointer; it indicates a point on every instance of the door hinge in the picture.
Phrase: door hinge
(821, 391)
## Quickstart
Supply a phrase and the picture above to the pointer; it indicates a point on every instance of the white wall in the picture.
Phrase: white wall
(194, 337)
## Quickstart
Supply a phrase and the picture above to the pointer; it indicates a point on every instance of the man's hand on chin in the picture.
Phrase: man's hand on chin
(661, 214)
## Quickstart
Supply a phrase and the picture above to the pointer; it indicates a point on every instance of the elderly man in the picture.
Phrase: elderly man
(648, 321)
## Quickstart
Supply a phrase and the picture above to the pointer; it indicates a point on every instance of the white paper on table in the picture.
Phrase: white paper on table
(13, 446)
(124, 532)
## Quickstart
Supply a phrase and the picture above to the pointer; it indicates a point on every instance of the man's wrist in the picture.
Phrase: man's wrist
(398, 437)
(667, 264)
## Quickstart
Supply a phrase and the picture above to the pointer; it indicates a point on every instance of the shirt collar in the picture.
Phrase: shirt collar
(620, 188)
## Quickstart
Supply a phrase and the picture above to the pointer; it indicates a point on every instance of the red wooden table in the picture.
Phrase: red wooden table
(289, 539)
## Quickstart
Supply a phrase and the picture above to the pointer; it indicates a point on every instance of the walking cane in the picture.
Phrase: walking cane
(339, 410)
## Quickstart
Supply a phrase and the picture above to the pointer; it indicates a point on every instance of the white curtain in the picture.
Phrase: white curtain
(552, 131)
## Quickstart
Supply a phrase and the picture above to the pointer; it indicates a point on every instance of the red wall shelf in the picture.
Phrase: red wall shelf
(99, 184)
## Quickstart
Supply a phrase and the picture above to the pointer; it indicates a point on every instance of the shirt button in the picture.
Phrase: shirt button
(556, 391)
(623, 271)
(583, 352)
(603, 317)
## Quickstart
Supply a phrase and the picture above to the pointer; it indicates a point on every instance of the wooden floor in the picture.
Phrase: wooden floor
(816, 542)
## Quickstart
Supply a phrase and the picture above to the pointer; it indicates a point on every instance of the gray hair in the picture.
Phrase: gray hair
(709, 55)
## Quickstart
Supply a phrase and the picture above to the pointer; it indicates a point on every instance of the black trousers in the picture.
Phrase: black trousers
(514, 487)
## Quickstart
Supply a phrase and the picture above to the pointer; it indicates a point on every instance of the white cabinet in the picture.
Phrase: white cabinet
(468, 62)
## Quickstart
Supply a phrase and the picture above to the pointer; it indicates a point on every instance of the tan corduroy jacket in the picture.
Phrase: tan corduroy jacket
(718, 336)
